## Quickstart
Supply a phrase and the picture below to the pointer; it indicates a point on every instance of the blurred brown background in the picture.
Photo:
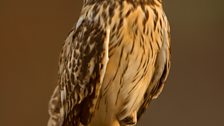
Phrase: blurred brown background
(33, 31)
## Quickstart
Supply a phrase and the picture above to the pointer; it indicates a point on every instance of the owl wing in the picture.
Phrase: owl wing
(82, 66)
(162, 68)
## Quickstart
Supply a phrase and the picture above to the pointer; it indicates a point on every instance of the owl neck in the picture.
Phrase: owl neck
(159, 1)
(144, 1)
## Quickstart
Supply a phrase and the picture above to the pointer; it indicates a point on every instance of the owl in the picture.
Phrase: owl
(113, 63)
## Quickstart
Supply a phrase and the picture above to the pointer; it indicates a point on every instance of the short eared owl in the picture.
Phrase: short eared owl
(113, 63)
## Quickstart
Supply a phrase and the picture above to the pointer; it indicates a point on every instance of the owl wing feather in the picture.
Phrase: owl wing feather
(162, 68)
(82, 66)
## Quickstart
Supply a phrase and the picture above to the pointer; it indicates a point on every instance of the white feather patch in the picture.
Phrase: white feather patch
(106, 50)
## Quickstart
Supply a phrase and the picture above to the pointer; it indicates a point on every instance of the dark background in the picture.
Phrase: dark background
(33, 31)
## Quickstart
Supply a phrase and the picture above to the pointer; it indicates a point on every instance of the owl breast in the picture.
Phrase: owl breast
(132, 56)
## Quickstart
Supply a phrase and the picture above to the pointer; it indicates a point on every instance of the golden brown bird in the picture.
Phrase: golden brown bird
(113, 63)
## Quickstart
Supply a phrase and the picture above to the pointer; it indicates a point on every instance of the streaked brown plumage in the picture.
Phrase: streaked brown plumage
(113, 63)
